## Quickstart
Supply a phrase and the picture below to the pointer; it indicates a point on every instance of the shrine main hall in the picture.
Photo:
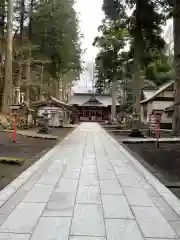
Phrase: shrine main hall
(92, 106)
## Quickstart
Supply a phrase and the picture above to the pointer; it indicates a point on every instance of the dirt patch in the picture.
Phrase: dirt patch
(165, 158)
(162, 162)
(30, 149)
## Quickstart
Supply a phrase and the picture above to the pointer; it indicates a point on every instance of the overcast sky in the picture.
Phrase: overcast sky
(90, 15)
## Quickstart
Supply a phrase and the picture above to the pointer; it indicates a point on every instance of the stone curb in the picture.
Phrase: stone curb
(151, 140)
(163, 191)
(49, 137)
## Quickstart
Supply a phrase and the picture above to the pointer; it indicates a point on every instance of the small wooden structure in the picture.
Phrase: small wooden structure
(59, 112)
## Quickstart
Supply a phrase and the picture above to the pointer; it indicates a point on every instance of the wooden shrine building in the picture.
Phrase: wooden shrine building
(92, 107)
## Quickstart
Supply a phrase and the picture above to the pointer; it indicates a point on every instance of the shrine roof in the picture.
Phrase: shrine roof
(91, 99)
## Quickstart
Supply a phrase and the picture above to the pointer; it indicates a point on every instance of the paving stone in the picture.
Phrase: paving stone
(3, 219)
(13, 201)
(13, 236)
(49, 179)
(165, 209)
(114, 156)
(137, 197)
(110, 187)
(122, 170)
(26, 174)
(90, 148)
(52, 228)
(1, 203)
(39, 193)
(159, 186)
(88, 194)
(88, 221)
(23, 219)
(128, 181)
(60, 204)
(6, 193)
(116, 206)
(71, 166)
(90, 155)
(104, 166)
(177, 210)
(117, 163)
(57, 166)
(107, 175)
(17, 183)
(144, 183)
(151, 191)
(123, 229)
(176, 226)
(161, 239)
(89, 169)
(171, 199)
(100, 154)
(86, 238)
(31, 182)
(135, 172)
(67, 185)
(72, 174)
(152, 223)
(89, 161)
(89, 180)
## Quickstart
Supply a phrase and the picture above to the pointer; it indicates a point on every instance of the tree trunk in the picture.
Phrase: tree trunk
(176, 115)
(63, 89)
(28, 59)
(69, 90)
(28, 74)
(7, 96)
(113, 107)
(138, 43)
(54, 88)
(60, 88)
(20, 57)
(41, 97)
(136, 87)
(2, 15)
(22, 20)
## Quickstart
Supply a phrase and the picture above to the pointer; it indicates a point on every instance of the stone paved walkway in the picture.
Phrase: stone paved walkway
(86, 188)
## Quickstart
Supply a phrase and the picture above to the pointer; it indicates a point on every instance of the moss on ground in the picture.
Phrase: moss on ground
(9, 160)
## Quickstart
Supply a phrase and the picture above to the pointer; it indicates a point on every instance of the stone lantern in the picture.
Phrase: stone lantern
(43, 122)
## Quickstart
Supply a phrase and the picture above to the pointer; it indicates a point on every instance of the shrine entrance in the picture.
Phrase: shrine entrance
(95, 115)
(91, 114)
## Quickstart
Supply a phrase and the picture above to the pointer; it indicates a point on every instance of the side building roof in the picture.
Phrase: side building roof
(50, 100)
(161, 89)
